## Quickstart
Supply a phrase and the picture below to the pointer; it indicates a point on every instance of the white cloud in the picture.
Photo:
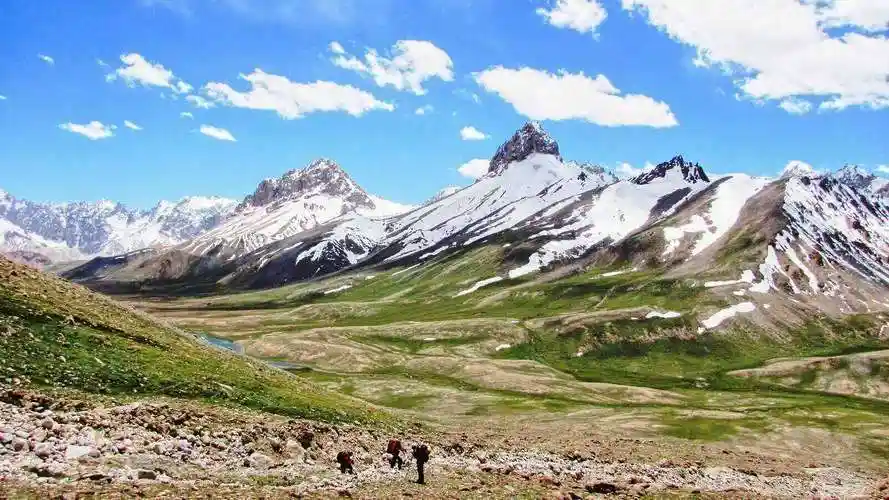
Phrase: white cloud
(412, 63)
(474, 168)
(624, 170)
(868, 15)
(422, 110)
(583, 16)
(93, 130)
(540, 95)
(337, 48)
(46, 59)
(472, 134)
(883, 169)
(136, 70)
(102, 63)
(782, 49)
(130, 125)
(796, 106)
(217, 133)
(199, 102)
(187, 114)
(294, 100)
(2, 97)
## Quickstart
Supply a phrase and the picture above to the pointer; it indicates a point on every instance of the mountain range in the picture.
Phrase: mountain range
(823, 236)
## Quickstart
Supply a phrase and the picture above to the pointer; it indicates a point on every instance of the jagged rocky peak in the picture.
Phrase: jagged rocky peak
(594, 172)
(529, 139)
(691, 172)
(320, 177)
(854, 176)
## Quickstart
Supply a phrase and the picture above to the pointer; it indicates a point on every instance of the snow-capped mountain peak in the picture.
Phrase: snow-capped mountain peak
(529, 139)
(798, 169)
(298, 201)
(690, 172)
(859, 178)
(77, 230)
(320, 177)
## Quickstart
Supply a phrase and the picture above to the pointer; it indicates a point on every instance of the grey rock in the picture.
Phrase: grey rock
(529, 139)
(43, 450)
(146, 474)
(20, 445)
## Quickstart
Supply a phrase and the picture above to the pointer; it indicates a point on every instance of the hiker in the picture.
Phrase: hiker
(421, 454)
(394, 450)
(344, 458)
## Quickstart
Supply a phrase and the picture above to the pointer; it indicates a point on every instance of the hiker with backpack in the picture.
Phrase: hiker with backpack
(344, 458)
(421, 454)
(394, 450)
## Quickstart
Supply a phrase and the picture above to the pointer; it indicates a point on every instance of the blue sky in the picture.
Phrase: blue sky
(735, 88)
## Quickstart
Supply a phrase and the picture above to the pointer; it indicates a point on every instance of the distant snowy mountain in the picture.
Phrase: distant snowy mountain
(79, 230)
(818, 239)
(298, 201)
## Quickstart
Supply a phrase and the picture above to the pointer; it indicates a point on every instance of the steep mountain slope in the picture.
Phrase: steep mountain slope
(820, 240)
(298, 201)
(73, 231)
(307, 223)
(59, 334)
(526, 177)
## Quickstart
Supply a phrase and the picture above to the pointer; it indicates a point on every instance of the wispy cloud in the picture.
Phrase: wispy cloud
(186, 114)
(293, 100)
(217, 133)
(93, 130)
(422, 110)
(46, 59)
(136, 70)
(130, 125)
(412, 62)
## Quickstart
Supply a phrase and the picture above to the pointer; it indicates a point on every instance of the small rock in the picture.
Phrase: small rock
(20, 445)
(43, 450)
(602, 488)
(258, 461)
(5, 438)
(22, 434)
(73, 452)
(47, 423)
(146, 474)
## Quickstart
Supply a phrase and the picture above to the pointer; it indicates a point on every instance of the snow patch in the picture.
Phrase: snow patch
(502, 347)
(337, 290)
(727, 313)
(664, 315)
(478, 285)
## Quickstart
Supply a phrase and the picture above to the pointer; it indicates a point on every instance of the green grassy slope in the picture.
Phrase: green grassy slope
(53, 333)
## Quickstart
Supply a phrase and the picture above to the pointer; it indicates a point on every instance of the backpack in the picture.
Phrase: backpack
(342, 457)
(394, 446)
(422, 453)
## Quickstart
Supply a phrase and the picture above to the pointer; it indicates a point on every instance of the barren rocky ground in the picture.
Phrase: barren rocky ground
(61, 446)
